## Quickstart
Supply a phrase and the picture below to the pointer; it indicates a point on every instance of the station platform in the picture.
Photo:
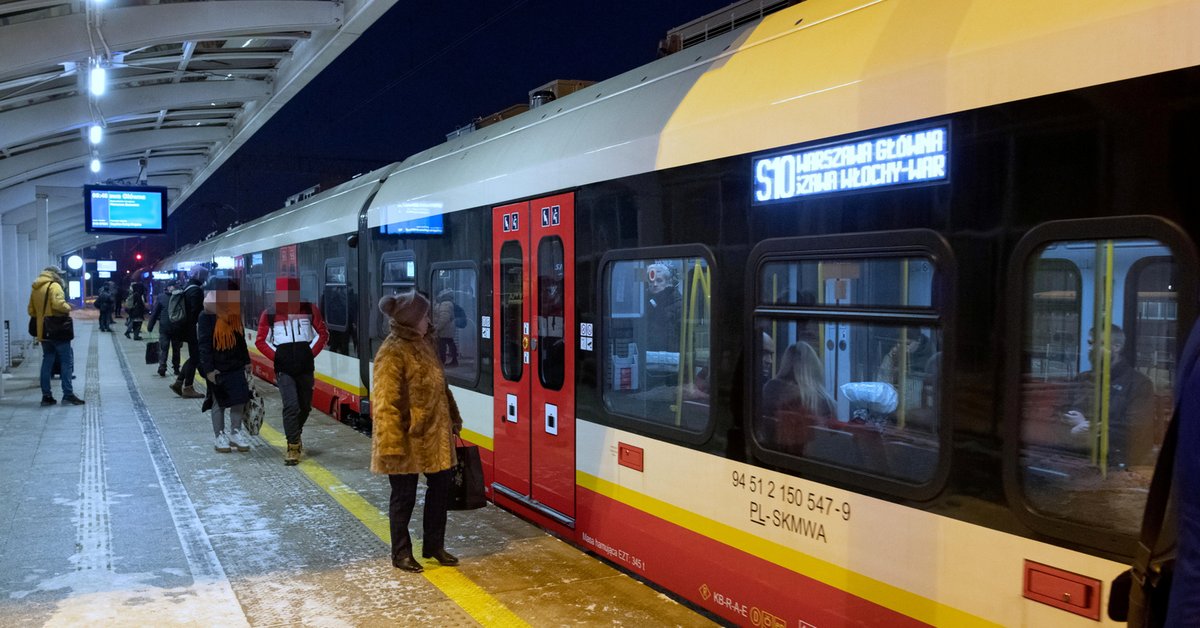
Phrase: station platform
(120, 512)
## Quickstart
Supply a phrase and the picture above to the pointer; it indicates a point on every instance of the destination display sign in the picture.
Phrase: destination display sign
(918, 156)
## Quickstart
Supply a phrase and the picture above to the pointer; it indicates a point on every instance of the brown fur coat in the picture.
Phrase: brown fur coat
(413, 412)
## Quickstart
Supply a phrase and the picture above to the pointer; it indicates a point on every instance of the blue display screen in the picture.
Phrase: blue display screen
(124, 209)
(429, 225)
(894, 159)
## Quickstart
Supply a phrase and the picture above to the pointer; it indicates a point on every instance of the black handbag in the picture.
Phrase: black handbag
(53, 327)
(152, 352)
(466, 485)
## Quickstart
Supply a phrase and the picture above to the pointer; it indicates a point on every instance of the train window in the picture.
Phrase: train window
(841, 390)
(511, 311)
(335, 304)
(657, 340)
(1093, 411)
(455, 312)
(397, 273)
(308, 286)
(338, 307)
(252, 301)
(893, 281)
(551, 311)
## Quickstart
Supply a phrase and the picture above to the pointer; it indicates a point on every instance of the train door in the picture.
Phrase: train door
(838, 282)
(533, 272)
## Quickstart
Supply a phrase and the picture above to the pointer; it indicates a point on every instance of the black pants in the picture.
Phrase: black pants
(400, 509)
(165, 343)
(296, 393)
(188, 374)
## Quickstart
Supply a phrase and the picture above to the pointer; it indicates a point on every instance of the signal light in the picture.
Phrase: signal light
(137, 256)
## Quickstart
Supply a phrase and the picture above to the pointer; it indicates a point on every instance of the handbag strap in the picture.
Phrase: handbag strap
(1159, 494)
(1156, 500)
(42, 318)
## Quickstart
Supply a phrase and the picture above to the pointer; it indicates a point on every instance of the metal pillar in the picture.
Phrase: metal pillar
(13, 309)
(42, 258)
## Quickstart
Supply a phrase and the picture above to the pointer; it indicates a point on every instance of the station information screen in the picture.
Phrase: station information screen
(124, 209)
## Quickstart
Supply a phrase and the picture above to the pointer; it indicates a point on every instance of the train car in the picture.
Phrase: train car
(865, 313)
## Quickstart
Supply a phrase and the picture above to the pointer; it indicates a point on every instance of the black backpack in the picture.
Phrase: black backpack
(177, 306)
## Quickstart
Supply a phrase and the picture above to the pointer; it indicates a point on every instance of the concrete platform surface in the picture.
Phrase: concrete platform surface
(120, 513)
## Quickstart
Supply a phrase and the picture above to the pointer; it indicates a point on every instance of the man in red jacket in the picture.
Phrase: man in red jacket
(290, 334)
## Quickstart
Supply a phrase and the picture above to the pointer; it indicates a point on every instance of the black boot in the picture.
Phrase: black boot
(441, 555)
(407, 563)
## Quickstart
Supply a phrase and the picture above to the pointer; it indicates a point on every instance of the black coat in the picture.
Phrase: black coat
(160, 316)
(193, 305)
(231, 388)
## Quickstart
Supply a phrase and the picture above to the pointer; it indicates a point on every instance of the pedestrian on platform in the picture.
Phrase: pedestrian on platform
(415, 420)
(223, 362)
(290, 334)
(193, 300)
(135, 309)
(167, 342)
(48, 308)
(105, 301)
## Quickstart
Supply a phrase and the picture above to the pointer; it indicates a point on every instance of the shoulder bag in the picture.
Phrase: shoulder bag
(56, 328)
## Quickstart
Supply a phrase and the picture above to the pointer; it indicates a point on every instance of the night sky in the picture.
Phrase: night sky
(421, 71)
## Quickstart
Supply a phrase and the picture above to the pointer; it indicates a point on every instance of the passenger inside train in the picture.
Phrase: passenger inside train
(881, 379)
(658, 326)
(795, 400)
(1087, 447)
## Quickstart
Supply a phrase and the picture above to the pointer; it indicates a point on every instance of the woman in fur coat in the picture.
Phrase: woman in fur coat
(415, 420)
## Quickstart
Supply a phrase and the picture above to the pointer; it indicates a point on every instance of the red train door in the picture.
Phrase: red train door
(534, 433)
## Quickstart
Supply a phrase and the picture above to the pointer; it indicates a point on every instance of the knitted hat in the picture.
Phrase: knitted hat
(199, 274)
(406, 309)
(223, 283)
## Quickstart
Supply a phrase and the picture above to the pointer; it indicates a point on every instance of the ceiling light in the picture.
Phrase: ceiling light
(97, 80)
(95, 165)
(96, 133)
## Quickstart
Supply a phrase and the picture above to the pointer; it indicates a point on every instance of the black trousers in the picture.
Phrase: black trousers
(296, 393)
(167, 344)
(404, 499)
(188, 374)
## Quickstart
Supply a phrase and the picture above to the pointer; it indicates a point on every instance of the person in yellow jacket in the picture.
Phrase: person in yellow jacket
(48, 300)
(415, 419)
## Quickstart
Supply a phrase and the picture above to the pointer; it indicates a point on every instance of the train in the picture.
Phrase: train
(866, 312)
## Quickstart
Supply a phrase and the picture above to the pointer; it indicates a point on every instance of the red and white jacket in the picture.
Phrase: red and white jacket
(292, 340)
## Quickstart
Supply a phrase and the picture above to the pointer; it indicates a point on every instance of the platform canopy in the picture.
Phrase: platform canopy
(186, 84)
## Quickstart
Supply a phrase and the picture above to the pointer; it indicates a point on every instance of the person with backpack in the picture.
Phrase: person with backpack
(166, 339)
(135, 309)
(183, 310)
(291, 333)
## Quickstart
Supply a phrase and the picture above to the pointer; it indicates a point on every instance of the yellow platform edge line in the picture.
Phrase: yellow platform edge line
(472, 598)
(886, 595)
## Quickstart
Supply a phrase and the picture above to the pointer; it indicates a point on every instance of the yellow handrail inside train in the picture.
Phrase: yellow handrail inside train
(687, 359)
(1106, 358)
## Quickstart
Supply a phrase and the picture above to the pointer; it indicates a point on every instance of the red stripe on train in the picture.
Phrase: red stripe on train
(725, 580)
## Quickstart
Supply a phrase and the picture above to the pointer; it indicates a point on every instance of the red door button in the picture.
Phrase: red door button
(1062, 589)
(629, 456)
